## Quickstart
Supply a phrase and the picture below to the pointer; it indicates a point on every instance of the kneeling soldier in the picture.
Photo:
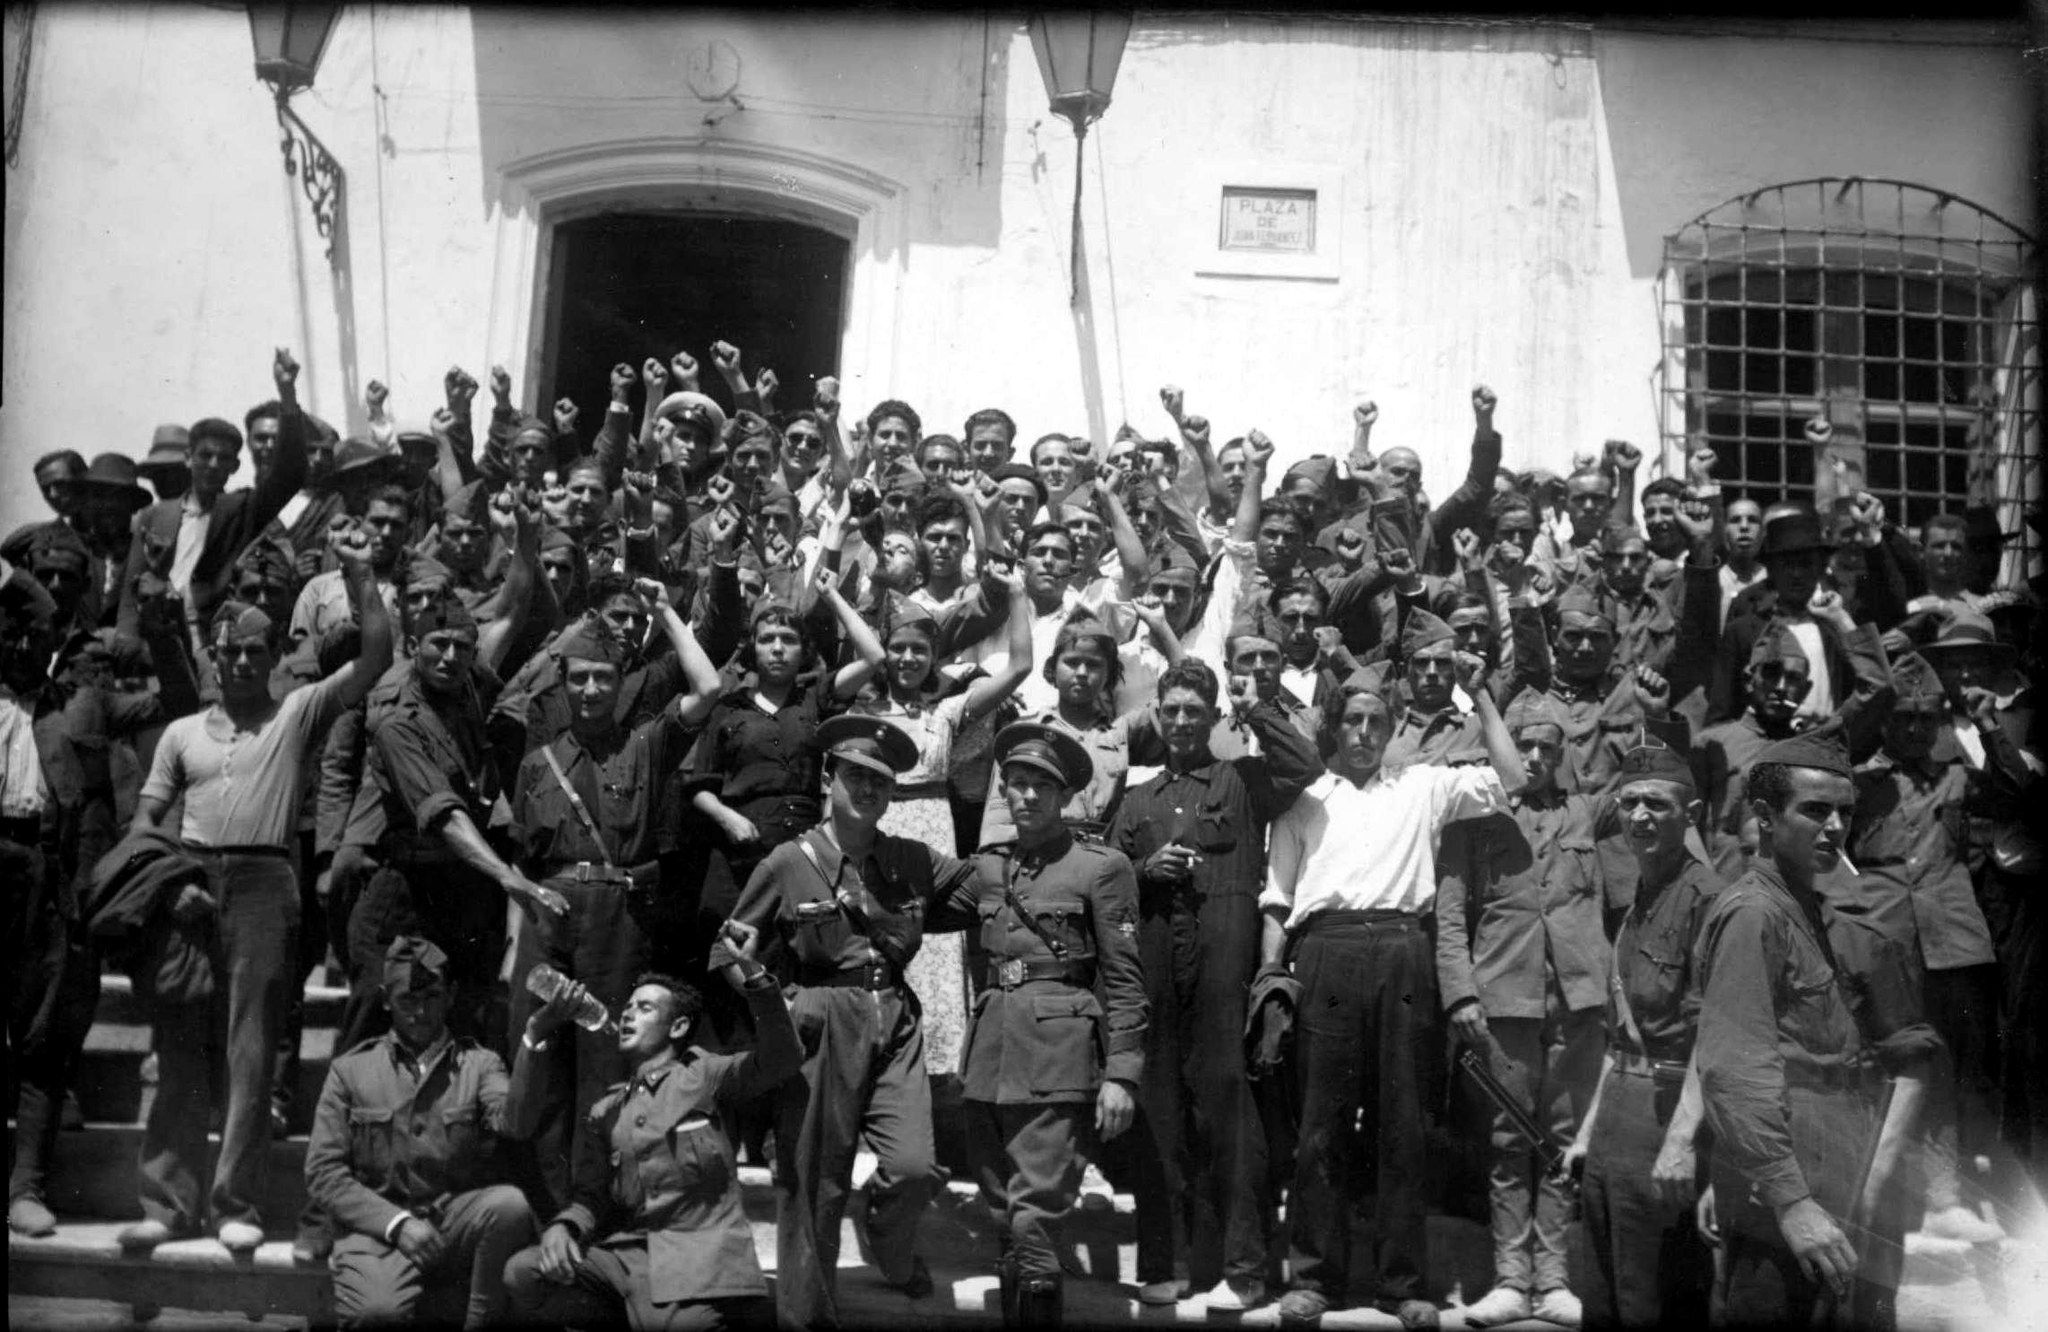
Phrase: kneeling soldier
(1052, 912)
(399, 1158)
(655, 1234)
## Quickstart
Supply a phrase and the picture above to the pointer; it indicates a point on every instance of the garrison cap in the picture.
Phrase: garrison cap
(874, 743)
(1534, 707)
(1652, 754)
(1822, 748)
(1425, 635)
(1918, 687)
(240, 620)
(445, 613)
(1578, 600)
(412, 963)
(1047, 748)
(1173, 559)
(592, 639)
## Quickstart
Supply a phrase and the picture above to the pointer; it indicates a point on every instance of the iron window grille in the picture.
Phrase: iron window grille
(1907, 317)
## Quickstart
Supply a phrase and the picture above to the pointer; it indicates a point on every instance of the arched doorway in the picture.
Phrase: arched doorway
(626, 285)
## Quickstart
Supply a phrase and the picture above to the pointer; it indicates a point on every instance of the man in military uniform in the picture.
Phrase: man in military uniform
(847, 905)
(400, 1155)
(655, 1230)
(1649, 1267)
(1056, 915)
(583, 806)
(1804, 1014)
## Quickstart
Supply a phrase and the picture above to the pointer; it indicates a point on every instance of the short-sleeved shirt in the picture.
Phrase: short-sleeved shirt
(242, 788)
(933, 727)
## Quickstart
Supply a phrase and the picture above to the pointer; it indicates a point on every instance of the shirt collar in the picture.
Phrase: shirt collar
(651, 1079)
(426, 1058)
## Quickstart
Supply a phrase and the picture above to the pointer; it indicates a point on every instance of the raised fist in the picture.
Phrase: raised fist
(376, 395)
(1819, 431)
(501, 384)
(1625, 456)
(825, 398)
(1699, 467)
(719, 489)
(1173, 400)
(565, 416)
(503, 512)
(641, 482)
(622, 381)
(655, 373)
(351, 546)
(725, 525)
(1399, 562)
(1244, 693)
(1467, 668)
(1483, 401)
(442, 422)
(284, 372)
(1652, 688)
(683, 371)
(726, 357)
(1328, 639)
(1583, 462)
(765, 385)
(1365, 414)
(459, 386)
(1195, 430)
(1465, 542)
(1350, 546)
(1258, 449)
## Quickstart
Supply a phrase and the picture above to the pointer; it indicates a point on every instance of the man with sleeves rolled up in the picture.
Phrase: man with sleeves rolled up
(399, 1157)
(1805, 1017)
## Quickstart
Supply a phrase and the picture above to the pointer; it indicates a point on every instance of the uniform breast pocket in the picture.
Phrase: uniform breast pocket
(820, 927)
(1809, 1007)
(622, 803)
(1064, 1043)
(369, 1140)
(702, 1164)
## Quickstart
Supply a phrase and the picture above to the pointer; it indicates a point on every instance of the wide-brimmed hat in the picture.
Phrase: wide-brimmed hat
(111, 476)
(1793, 529)
(358, 462)
(1965, 631)
(169, 447)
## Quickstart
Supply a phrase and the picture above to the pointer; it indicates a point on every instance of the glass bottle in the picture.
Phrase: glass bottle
(545, 982)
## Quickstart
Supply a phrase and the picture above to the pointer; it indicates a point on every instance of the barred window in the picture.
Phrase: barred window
(1905, 316)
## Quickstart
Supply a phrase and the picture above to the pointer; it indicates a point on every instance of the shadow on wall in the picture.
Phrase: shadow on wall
(1694, 121)
(915, 100)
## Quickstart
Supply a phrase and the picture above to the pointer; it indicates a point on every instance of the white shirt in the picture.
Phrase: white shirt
(1819, 703)
(1732, 584)
(23, 792)
(242, 788)
(1343, 847)
(193, 523)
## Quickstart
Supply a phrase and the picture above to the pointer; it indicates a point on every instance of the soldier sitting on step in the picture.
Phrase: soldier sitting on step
(400, 1158)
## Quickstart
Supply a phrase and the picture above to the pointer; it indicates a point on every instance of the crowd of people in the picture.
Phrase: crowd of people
(756, 784)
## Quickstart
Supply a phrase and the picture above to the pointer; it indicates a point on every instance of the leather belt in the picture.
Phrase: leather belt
(1628, 1061)
(1010, 972)
(268, 852)
(1866, 1079)
(592, 871)
(873, 976)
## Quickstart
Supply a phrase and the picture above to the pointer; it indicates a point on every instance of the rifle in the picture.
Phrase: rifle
(1524, 1123)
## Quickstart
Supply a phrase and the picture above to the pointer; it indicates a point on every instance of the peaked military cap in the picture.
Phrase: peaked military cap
(1047, 748)
(874, 743)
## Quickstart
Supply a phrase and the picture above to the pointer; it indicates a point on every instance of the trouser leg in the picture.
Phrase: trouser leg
(1573, 1043)
(1962, 1006)
(898, 1130)
(375, 1285)
(484, 1228)
(1230, 1215)
(1330, 1061)
(1043, 1148)
(186, 1040)
(818, 1120)
(311, 950)
(593, 1299)
(44, 1055)
(258, 925)
(1515, 1052)
(1402, 1033)
(1650, 1267)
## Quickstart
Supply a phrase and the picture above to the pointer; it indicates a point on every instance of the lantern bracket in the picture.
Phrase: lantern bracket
(320, 176)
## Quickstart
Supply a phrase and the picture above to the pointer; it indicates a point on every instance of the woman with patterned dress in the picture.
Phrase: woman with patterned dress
(920, 808)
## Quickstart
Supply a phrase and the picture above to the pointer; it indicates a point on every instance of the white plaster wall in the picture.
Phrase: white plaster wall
(1504, 191)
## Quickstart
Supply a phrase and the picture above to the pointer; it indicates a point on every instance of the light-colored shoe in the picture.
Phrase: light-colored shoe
(1502, 1304)
(28, 1215)
(1238, 1293)
(1162, 1292)
(1303, 1308)
(1560, 1306)
(143, 1236)
(240, 1236)
(1957, 1222)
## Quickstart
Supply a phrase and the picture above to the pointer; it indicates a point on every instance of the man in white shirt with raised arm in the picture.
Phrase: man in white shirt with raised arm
(1350, 883)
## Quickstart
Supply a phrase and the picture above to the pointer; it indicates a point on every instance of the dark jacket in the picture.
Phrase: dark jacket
(129, 915)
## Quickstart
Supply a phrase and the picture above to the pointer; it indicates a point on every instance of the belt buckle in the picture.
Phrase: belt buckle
(878, 975)
(583, 871)
(1010, 972)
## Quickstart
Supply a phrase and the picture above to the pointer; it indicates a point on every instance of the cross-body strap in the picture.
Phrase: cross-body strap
(576, 803)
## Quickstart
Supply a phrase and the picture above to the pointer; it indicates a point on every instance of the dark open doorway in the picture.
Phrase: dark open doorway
(626, 286)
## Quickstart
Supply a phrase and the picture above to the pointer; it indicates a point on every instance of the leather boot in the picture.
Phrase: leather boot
(1040, 1301)
(36, 1119)
(1006, 1284)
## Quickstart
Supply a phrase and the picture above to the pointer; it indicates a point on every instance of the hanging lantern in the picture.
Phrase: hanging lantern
(1078, 55)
